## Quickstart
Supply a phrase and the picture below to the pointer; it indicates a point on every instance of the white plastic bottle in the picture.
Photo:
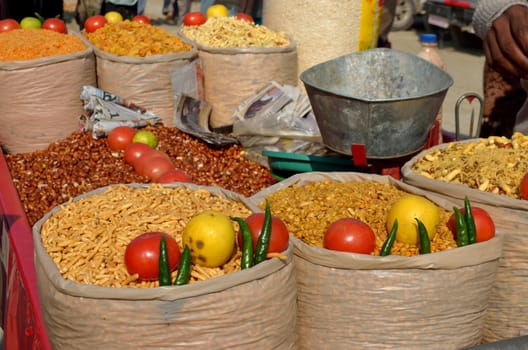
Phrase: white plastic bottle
(429, 52)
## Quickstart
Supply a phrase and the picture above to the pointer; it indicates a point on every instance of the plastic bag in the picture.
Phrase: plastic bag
(188, 80)
(278, 118)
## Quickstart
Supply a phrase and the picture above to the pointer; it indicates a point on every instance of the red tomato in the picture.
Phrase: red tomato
(94, 22)
(120, 137)
(142, 255)
(134, 151)
(483, 223)
(175, 175)
(55, 24)
(156, 167)
(523, 187)
(350, 235)
(244, 17)
(141, 19)
(194, 19)
(279, 232)
(139, 164)
(8, 24)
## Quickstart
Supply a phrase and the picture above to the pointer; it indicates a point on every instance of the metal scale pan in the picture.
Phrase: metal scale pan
(384, 100)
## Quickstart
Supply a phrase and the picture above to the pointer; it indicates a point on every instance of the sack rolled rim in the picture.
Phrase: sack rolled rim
(451, 259)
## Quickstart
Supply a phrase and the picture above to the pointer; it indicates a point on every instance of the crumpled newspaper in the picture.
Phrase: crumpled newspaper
(106, 111)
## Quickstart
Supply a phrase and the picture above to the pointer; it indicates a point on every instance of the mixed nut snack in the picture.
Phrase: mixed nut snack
(229, 32)
(308, 211)
(494, 164)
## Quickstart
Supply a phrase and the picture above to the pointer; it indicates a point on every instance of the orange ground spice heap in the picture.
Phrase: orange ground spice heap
(29, 44)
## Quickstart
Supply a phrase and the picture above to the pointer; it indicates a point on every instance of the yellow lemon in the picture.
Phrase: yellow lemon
(217, 10)
(113, 17)
(406, 209)
(210, 236)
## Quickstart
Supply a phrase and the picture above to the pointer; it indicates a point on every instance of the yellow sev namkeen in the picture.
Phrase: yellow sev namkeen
(29, 44)
(87, 238)
(230, 32)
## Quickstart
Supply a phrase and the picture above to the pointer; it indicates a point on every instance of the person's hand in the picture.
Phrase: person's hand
(506, 43)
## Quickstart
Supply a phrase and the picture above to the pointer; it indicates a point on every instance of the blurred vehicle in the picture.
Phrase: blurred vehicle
(449, 14)
(406, 11)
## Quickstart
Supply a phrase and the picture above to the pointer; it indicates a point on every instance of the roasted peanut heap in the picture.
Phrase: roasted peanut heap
(80, 164)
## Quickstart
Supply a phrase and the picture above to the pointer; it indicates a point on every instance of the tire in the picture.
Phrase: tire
(404, 16)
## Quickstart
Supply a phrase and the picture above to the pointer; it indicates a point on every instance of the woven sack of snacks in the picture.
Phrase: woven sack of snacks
(236, 64)
(43, 73)
(361, 301)
(89, 301)
(488, 171)
(324, 29)
(135, 61)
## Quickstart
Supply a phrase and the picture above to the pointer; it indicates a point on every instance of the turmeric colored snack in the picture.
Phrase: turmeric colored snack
(308, 210)
(29, 44)
(136, 39)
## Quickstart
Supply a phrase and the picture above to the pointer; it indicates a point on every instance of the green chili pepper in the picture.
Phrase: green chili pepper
(387, 246)
(264, 238)
(164, 274)
(425, 243)
(470, 222)
(184, 268)
(461, 228)
(247, 244)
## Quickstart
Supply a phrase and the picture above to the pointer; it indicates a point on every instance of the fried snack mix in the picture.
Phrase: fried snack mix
(87, 238)
(230, 32)
(136, 39)
(494, 164)
(308, 210)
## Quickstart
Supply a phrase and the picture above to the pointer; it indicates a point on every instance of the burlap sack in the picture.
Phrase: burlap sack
(40, 102)
(356, 301)
(249, 309)
(507, 314)
(145, 81)
(233, 75)
(324, 29)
